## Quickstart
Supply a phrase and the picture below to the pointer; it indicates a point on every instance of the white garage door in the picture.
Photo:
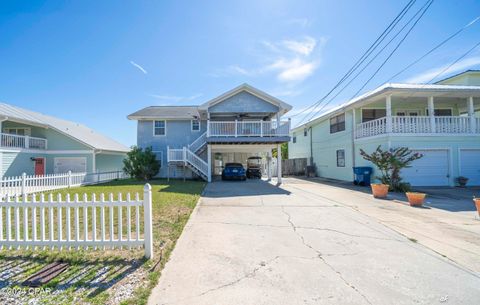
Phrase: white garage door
(74, 164)
(470, 165)
(430, 170)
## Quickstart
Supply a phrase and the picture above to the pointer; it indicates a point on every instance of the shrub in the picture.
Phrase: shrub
(390, 163)
(141, 164)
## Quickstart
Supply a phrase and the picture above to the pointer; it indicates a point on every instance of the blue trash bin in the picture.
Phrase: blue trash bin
(362, 175)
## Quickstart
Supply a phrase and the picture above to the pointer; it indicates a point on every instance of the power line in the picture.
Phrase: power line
(363, 69)
(365, 55)
(434, 48)
(422, 11)
(394, 50)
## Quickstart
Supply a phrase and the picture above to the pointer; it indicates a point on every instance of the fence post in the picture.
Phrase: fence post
(24, 182)
(147, 225)
(69, 179)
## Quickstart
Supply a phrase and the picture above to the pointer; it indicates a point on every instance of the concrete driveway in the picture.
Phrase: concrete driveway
(254, 243)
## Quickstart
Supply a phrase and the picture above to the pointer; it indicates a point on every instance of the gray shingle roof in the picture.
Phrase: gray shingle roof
(165, 112)
(78, 131)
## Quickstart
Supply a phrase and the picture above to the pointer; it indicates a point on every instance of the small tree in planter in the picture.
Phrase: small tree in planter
(141, 164)
(390, 162)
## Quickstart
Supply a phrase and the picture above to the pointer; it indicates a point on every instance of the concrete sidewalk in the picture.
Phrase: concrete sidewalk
(253, 243)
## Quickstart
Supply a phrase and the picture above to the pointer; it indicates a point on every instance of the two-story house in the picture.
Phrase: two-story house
(199, 140)
(441, 121)
(34, 143)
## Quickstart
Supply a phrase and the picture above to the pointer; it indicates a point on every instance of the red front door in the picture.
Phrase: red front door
(39, 166)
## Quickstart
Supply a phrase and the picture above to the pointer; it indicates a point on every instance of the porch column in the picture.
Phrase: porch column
(471, 115)
(269, 165)
(209, 161)
(279, 164)
(431, 114)
(388, 106)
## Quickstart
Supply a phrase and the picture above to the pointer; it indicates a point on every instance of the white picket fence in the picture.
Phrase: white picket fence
(85, 223)
(26, 184)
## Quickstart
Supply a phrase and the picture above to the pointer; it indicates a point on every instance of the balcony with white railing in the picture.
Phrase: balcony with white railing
(416, 125)
(235, 129)
(23, 142)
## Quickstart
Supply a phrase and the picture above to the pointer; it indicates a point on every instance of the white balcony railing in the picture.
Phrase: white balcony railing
(419, 125)
(248, 128)
(27, 142)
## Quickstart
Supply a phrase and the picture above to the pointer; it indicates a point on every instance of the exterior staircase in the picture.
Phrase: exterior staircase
(190, 156)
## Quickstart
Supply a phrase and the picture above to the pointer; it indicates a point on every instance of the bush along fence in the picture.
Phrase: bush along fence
(90, 224)
(26, 184)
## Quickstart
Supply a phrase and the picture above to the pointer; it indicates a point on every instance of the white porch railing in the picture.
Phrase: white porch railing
(418, 125)
(248, 128)
(175, 155)
(27, 142)
(47, 223)
(26, 184)
(196, 161)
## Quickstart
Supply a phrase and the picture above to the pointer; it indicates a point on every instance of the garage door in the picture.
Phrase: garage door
(74, 164)
(470, 165)
(430, 170)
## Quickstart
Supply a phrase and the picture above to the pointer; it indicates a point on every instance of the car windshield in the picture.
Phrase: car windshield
(230, 165)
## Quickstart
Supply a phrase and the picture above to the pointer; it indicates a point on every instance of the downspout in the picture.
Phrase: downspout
(311, 146)
(354, 123)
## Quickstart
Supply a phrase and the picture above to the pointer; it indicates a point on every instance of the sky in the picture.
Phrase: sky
(95, 62)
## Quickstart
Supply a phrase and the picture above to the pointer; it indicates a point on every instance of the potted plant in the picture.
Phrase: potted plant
(462, 181)
(415, 199)
(476, 200)
(379, 190)
(390, 162)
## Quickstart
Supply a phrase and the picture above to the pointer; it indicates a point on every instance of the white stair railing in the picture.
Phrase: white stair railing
(198, 143)
(196, 161)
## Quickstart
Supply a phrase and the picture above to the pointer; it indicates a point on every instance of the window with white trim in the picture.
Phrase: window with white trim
(337, 123)
(305, 132)
(19, 131)
(159, 128)
(441, 112)
(341, 158)
(294, 138)
(195, 125)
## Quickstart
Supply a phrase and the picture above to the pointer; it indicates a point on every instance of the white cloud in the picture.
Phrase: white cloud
(291, 60)
(138, 67)
(302, 47)
(176, 98)
(430, 74)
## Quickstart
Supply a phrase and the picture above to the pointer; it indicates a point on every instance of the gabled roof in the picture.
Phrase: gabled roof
(284, 107)
(165, 112)
(471, 71)
(77, 131)
(389, 88)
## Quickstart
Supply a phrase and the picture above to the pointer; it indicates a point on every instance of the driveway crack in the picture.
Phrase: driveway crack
(320, 256)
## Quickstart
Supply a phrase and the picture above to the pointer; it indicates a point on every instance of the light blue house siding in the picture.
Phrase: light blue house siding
(243, 102)
(178, 134)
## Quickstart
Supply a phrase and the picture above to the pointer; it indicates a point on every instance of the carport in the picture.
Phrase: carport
(220, 154)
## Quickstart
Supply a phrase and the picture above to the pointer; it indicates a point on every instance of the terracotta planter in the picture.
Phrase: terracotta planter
(415, 199)
(379, 190)
(477, 204)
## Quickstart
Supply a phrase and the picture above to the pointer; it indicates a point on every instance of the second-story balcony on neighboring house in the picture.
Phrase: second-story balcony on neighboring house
(23, 142)
(419, 110)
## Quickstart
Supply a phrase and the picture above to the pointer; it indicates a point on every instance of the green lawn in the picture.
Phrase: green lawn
(100, 277)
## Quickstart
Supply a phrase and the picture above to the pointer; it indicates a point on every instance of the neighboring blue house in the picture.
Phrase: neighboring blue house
(199, 140)
(34, 143)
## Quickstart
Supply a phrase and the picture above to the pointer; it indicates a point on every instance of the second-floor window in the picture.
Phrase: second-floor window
(305, 132)
(195, 125)
(337, 123)
(294, 138)
(160, 128)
